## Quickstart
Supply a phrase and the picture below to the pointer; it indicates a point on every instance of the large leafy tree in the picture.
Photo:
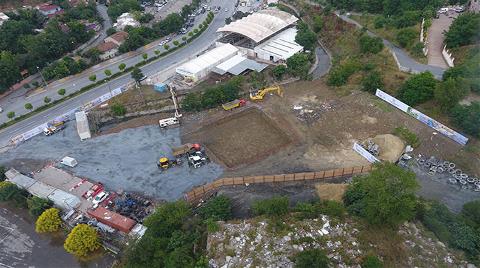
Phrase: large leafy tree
(82, 240)
(137, 75)
(9, 71)
(467, 117)
(305, 37)
(449, 92)
(417, 89)
(37, 205)
(48, 221)
(172, 23)
(386, 196)
(465, 30)
(298, 65)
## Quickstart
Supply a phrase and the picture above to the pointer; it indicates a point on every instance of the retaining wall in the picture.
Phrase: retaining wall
(201, 192)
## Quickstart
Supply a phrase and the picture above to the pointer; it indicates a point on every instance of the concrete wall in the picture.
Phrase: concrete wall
(447, 56)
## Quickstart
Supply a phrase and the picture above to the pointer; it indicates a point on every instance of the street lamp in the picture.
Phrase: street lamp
(43, 78)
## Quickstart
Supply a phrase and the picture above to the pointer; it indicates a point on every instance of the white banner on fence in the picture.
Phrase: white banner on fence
(450, 133)
(66, 116)
(359, 149)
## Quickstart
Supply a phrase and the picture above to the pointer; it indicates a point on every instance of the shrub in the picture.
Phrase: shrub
(312, 258)
(10, 115)
(28, 106)
(417, 49)
(37, 205)
(273, 207)
(371, 261)
(111, 31)
(192, 102)
(49, 221)
(370, 44)
(372, 82)
(218, 208)
(379, 22)
(92, 78)
(176, 43)
(298, 65)
(2, 173)
(305, 37)
(118, 109)
(122, 66)
(406, 37)
(417, 89)
(166, 47)
(340, 74)
(467, 117)
(463, 31)
(471, 212)
(47, 100)
(108, 72)
(279, 71)
(386, 196)
(82, 240)
(145, 56)
(408, 136)
(449, 92)
(331, 208)
(61, 92)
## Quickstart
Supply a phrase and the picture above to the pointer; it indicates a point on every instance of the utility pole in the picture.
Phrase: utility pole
(43, 78)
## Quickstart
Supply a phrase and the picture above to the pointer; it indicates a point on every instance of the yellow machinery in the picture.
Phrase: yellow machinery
(165, 163)
(260, 94)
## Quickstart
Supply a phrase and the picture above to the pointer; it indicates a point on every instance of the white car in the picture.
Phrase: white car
(99, 198)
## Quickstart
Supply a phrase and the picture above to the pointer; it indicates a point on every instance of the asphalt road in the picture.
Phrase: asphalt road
(78, 81)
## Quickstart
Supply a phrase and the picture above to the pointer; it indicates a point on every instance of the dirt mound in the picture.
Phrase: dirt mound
(331, 191)
(391, 147)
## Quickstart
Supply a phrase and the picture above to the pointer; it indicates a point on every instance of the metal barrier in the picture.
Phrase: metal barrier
(198, 193)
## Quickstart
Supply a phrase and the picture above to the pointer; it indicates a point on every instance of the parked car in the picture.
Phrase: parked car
(99, 198)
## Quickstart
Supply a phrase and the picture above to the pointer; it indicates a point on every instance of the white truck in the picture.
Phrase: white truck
(53, 128)
(168, 122)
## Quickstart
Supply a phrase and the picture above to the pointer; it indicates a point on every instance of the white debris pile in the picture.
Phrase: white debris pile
(309, 109)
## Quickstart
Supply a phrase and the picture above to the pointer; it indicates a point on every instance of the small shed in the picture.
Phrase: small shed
(82, 125)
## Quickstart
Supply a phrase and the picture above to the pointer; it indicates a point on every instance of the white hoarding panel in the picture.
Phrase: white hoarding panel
(359, 149)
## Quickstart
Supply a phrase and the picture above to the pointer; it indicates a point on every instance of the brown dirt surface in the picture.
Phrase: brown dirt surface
(241, 138)
(391, 147)
(331, 191)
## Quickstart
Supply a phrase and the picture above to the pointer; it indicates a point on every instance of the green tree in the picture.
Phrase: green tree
(3, 177)
(61, 92)
(157, 52)
(92, 78)
(305, 37)
(47, 100)
(172, 23)
(37, 205)
(111, 31)
(273, 207)
(279, 71)
(137, 75)
(192, 102)
(371, 261)
(49, 221)
(10, 115)
(467, 117)
(417, 89)
(82, 240)
(28, 106)
(384, 197)
(465, 30)
(145, 56)
(166, 47)
(372, 82)
(298, 65)
(370, 44)
(317, 23)
(471, 212)
(108, 72)
(122, 66)
(9, 70)
(176, 43)
(117, 8)
(118, 109)
(406, 37)
(218, 208)
(448, 93)
(312, 258)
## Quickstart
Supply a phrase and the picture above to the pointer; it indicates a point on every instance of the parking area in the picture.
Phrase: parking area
(120, 161)
(160, 9)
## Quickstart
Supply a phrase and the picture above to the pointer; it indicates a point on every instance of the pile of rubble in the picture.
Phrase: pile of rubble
(311, 111)
(449, 171)
(132, 206)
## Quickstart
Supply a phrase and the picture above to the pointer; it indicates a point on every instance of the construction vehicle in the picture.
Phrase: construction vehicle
(53, 128)
(171, 121)
(185, 149)
(260, 94)
(234, 104)
(164, 163)
(197, 159)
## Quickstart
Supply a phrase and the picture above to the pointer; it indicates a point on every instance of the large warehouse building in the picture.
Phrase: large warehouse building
(267, 35)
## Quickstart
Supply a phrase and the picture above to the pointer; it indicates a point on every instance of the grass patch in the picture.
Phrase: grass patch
(407, 135)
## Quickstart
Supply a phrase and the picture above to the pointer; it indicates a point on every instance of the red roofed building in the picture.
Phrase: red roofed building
(112, 219)
(49, 9)
(117, 38)
(108, 50)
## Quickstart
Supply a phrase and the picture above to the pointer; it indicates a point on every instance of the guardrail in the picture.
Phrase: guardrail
(201, 192)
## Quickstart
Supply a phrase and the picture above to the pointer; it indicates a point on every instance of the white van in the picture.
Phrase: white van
(168, 122)
(69, 161)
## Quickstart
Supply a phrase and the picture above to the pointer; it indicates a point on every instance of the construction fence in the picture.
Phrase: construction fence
(202, 192)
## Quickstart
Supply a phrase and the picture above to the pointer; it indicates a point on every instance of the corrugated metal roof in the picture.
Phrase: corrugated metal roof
(260, 25)
(19, 179)
(282, 45)
(112, 219)
(238, 64)
(64, 200)
(208, 60)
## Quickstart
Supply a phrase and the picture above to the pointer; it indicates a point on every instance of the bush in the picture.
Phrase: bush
(371, 261)
(273, 207)
(192, 102)
(305, 37)
(417, 49)
(47, 100)
(118, 109)
(82, 240)
(471, 212)
(28, 106)
(331, 208)
(379, 22)
(448, 93)
(406, 37)
(37, 205)
(409, 137)
(49, 221)
(10, 192)
(10, 115)
(279, 71)
(463, 31)
(372, 82)
(340, 74)
(370, 44)
(386, 196)
(213, 96)
(218, 208)
(298, 65)
(122, 66)
(312, 258)
(92, 78)
(467, 117)
(417, 89)
(111, 31)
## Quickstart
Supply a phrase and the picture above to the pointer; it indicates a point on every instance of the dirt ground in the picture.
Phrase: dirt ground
(241, 138)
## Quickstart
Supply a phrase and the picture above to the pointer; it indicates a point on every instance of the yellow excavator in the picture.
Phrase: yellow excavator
(164, 163)
(260, 94)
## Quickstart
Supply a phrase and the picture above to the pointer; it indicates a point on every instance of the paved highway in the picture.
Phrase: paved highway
(76, 82)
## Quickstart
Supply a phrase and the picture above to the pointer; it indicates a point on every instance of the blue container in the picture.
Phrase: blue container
(160, 87)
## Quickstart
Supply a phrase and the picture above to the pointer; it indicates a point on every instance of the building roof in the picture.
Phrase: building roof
(208, 60)
(260, 25)
(237, 65)
(112, 219)
(119, 36)
(282, 45)
(48, 7)
(104, 47)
